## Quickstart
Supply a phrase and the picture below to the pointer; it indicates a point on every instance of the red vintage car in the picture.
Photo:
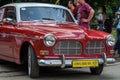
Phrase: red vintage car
(44, 35)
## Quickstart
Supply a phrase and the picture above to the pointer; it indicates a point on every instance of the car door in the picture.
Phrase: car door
(6, 37)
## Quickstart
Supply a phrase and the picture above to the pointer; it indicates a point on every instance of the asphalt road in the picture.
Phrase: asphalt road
(11, 71)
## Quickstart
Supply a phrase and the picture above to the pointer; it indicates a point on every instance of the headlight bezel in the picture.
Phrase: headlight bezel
(110, 40)
(49, 40)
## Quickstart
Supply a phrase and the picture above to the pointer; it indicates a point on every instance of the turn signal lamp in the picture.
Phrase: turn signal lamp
(44, 52)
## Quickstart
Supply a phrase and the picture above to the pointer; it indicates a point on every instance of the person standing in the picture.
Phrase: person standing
(71, 6)
(84, 14)
(117, 45)
(76, 8)
(101, 18)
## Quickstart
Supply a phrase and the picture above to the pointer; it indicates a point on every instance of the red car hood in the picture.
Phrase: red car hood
(60, 30)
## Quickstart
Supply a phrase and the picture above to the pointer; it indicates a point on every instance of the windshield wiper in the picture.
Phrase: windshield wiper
(48, 19)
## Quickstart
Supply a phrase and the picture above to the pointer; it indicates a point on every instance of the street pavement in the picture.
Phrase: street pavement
(11, 71)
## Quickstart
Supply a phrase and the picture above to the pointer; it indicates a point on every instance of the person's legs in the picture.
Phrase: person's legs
(116, 47)
(118, 42)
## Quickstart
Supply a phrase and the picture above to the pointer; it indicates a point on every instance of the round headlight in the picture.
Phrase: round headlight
(49, 40)
(110, 40)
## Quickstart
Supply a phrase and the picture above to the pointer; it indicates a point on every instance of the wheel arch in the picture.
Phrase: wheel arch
(24, 51)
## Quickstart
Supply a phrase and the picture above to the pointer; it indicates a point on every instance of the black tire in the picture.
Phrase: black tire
(33, 68)
(0, 61)
(97, 70)
(3, 62)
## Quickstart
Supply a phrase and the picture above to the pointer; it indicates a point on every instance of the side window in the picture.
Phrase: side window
(1, 14)
(10, 13)
(68, 17)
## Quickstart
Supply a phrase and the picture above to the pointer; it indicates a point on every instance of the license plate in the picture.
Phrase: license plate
(85, 63)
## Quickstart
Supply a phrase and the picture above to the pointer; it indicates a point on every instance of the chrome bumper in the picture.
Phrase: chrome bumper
(68, 62)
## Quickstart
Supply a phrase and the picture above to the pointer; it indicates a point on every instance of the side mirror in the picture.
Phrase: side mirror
(9, 21)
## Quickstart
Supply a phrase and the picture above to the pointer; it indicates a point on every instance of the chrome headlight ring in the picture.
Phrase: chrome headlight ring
(49, 40)
(110, 40)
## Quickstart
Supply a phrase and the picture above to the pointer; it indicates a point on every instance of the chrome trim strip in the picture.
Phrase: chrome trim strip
(104, 58)
(19, 35)
(63, 61)
(58, 63)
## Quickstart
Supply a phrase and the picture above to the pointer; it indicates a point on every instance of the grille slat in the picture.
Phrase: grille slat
(95, 47)
(68, 48)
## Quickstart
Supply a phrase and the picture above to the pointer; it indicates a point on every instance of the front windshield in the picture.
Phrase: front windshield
(45, 13)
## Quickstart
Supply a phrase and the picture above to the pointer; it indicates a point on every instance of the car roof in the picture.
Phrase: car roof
(33, 4)
(30, 4)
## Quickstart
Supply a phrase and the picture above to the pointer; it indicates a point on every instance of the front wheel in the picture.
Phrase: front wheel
(33, 68)
(97, 70)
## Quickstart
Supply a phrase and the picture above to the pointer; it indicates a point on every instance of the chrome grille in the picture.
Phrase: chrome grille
(95, 47)
(68, 48)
